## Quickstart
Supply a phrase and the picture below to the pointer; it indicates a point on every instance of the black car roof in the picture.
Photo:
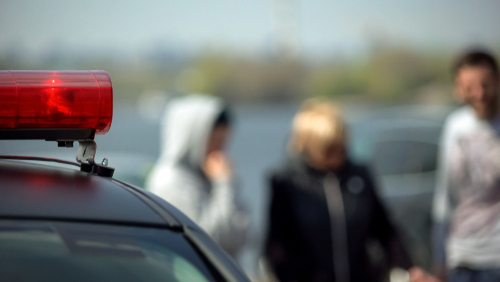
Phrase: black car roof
(30, 190)
(40, 191)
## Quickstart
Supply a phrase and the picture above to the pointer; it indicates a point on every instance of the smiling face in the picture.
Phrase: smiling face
(479, 87)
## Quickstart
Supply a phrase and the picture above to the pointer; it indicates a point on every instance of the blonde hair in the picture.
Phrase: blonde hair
(317, 126)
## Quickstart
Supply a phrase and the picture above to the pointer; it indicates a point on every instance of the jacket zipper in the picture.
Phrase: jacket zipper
(338, 227)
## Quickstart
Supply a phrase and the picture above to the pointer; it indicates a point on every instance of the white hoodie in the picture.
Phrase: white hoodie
(179, 179)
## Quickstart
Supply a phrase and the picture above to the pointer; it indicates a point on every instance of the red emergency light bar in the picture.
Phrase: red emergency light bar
(55, 100)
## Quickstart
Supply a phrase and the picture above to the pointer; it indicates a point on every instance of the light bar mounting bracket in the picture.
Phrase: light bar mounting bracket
(86, 152)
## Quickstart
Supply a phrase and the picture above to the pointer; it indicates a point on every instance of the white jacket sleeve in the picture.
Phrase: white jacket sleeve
(441, 206)
(217, 210)
(224, 216)
(456, 124)
(441, 212)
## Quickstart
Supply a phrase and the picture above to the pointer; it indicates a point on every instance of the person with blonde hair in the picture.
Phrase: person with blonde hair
(324, 209)
(318, 131)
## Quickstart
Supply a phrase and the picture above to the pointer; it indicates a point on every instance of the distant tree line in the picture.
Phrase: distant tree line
(388, 74)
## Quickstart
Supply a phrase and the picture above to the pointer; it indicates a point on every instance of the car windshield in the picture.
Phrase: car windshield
(58, 251)
(404, 157)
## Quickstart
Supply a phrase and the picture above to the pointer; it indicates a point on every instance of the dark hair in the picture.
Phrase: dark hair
(476, 58)
(224, 118)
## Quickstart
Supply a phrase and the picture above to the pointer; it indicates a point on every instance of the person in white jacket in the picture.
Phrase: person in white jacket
(194, 173)
(466, 224)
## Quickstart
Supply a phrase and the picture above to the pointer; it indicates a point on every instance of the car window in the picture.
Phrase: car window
(231, 267)
(404, 157)
(57, 251)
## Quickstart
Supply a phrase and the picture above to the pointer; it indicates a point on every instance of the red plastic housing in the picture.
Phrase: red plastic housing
(56, 99)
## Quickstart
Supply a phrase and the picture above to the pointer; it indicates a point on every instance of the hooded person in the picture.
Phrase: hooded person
(193, 172)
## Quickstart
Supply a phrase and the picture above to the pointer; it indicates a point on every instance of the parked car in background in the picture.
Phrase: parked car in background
(401, 144)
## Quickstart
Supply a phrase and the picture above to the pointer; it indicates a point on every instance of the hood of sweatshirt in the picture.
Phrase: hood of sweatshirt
(186, 128)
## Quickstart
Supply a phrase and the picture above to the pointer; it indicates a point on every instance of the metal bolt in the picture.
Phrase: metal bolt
(105, 162)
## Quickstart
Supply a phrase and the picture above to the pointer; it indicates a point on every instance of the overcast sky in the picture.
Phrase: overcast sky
(36, 26)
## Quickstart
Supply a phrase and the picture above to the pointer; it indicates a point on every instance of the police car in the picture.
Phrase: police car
(77, 223)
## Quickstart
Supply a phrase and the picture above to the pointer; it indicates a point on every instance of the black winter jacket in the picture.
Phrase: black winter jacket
(308, 230)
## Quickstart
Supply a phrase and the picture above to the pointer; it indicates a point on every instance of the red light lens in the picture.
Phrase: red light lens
(56, 99)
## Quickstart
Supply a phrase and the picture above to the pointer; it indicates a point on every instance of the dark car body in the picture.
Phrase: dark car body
(61, 224)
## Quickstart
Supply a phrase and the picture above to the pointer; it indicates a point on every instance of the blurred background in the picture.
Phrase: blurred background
(386, 62)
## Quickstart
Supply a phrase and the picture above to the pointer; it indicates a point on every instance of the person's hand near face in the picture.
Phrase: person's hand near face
(217, 164)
